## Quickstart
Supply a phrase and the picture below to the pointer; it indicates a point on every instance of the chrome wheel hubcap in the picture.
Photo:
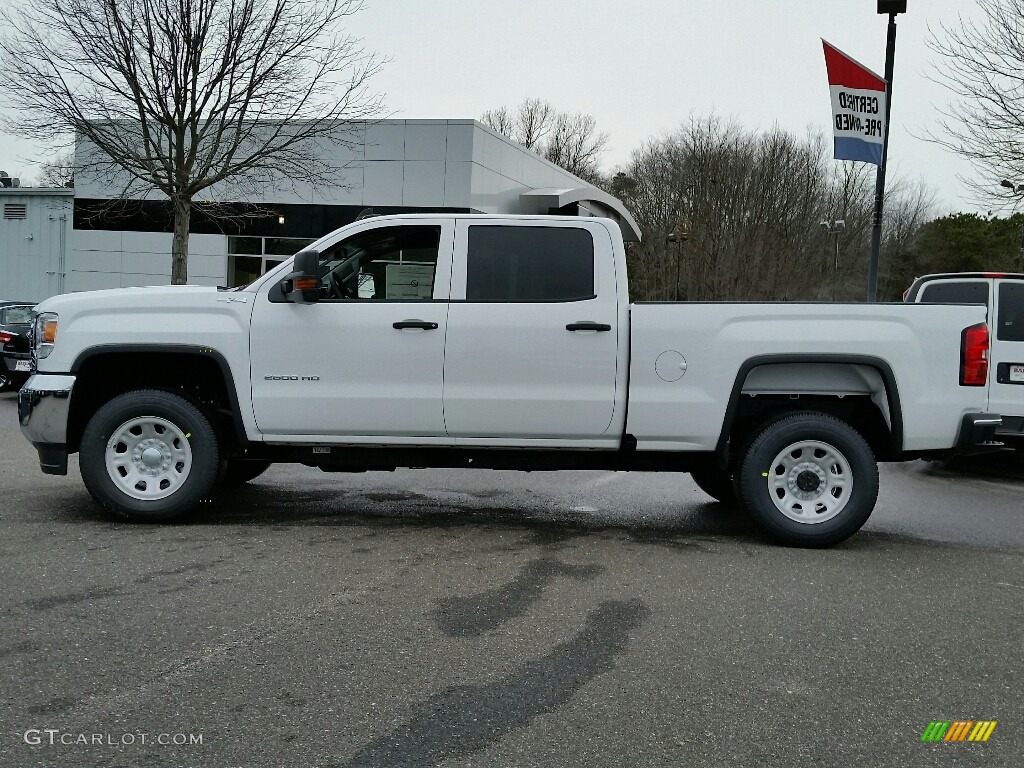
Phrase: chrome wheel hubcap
(810, 482)
(148, 458)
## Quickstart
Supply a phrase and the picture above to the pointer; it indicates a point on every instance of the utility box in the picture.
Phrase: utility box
(35, 234)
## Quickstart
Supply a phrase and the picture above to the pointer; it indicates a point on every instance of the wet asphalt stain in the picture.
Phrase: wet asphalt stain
(46, 603)
(484, 611)
(52, 707)
(467, 719)
(152, 576)
(385, 496)
(556, 536)
(172, 590)
(665, 539)
(26, 646)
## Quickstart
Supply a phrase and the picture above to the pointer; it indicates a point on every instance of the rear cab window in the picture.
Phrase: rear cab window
(956, 292)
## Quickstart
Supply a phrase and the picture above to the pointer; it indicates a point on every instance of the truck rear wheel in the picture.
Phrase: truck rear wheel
(809, 480)
(718, 484)
(149, 456)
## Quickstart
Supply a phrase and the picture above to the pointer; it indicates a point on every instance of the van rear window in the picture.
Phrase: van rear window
(1011, 312)
(965, 292)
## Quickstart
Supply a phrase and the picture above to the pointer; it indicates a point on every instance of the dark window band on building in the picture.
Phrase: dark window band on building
(270, 220)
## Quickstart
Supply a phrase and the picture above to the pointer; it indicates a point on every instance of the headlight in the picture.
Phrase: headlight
(44, 334)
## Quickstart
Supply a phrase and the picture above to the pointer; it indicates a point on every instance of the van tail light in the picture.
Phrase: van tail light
(974, 356)
(6, 337)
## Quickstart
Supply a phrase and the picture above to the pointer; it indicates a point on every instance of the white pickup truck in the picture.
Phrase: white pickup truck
(503, 342)
(1002, 295)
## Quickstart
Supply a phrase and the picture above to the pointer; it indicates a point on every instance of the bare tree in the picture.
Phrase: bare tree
(501, 120)
(569, 140)
(59, 172)
(534, 121)
(912, 206)
(576, 145)
(982, 64)
(189, 97)
(750, 206)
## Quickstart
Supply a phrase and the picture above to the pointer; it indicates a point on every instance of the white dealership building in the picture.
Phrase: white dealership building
(60, 240)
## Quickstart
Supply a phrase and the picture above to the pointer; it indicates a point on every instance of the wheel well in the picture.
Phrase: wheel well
(858, 411)
(858, 390)
(195, 376)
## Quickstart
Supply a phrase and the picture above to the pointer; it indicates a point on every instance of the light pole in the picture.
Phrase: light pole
(1018, 189)
(891, 7)
(834, 228)
(679, 235)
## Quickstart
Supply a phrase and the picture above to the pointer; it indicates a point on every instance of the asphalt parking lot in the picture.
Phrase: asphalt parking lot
(489, 618)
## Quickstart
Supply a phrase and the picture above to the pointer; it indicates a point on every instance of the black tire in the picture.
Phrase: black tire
(839, 486)
(717, 484)
(240, 471)
(193, 430)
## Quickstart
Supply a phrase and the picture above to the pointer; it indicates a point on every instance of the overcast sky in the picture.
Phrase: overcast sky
(643, 67)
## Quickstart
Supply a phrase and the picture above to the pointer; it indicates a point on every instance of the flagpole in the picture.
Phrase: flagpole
(876, 229)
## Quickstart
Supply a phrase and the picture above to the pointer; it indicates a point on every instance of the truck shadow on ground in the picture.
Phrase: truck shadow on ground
(681, 526)
(1008, 465)
(284, 506)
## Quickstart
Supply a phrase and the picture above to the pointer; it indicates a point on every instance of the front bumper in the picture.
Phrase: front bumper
(43, 407)
(978, 434)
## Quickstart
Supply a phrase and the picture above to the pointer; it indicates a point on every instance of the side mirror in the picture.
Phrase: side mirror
(302, 286)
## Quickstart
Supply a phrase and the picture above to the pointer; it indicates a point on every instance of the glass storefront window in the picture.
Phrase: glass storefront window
(242, 270)
(246, 245)
(250, 257)
(284, 246)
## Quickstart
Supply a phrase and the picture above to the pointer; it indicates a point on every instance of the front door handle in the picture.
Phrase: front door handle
(423, 324)
(588, 326)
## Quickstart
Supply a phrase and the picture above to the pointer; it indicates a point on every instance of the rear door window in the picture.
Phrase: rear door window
(1010, 322)
(529, 264)
(956, 292)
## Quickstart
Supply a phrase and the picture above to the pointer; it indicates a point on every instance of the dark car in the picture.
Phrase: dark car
(15, 360)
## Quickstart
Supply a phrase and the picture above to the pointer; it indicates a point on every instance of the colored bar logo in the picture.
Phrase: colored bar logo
(958, 730)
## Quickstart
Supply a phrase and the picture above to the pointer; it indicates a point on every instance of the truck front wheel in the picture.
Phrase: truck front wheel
(149, 456)
(809, 480)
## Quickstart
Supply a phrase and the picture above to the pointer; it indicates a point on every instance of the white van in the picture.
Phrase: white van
(1003, 296)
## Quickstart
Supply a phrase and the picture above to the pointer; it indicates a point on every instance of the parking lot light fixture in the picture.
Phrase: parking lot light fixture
(834, 228)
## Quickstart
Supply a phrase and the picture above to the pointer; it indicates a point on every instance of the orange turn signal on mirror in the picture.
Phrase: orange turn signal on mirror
(306, 284)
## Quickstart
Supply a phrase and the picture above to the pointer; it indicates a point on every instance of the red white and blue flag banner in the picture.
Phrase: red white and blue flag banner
(858, 108)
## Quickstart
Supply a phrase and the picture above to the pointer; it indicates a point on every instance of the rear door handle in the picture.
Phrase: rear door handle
(588, 326)
(423, 324)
